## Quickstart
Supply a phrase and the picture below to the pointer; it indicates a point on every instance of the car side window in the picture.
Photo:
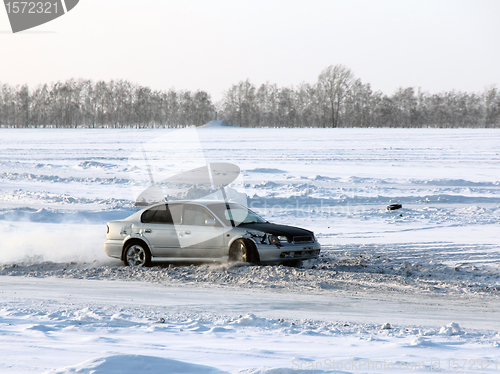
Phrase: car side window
(162, 215)
(175, 213)
(195, 215)
(147, 216)
(158, 214)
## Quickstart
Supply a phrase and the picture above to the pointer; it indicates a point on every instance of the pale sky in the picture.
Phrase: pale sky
(438, 45)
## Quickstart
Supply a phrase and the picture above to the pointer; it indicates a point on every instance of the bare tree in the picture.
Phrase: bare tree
(334, 83)
(239, 104)
(491, 99)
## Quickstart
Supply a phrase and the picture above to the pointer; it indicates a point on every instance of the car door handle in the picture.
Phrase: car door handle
(147, 230)
(187, 232)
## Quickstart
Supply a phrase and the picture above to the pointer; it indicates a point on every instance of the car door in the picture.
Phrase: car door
(201, 234)
(160, 230)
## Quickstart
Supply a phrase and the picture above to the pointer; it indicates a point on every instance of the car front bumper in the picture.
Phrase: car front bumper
(270, 253)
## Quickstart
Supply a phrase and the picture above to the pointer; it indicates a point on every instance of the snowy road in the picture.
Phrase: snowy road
(56, 323)
(401, 309)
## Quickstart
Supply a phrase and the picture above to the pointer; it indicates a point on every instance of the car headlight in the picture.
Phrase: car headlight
(273, 239)
(277, 240)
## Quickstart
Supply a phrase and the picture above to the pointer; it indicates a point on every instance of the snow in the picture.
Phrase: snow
(123, 364)
(65, 324)
(415, 288)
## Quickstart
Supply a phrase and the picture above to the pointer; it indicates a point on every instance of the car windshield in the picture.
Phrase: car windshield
(238, 213)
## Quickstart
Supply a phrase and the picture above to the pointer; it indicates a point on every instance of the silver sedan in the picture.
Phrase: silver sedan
(206, 231)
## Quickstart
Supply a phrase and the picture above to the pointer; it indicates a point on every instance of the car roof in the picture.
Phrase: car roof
(199, 202)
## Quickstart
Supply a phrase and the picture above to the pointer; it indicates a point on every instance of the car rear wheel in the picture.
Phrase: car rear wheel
(137, 254)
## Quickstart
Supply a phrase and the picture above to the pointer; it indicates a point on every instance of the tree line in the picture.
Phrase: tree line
(337, 99)
(115, 104)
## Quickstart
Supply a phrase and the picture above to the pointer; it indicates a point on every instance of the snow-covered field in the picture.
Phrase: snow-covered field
(431, 270)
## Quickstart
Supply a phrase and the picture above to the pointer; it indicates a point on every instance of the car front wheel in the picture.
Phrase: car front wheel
(243, 251)
(239, 252)
(137, 255)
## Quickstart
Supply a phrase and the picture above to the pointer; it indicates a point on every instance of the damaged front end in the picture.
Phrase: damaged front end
(274, 249)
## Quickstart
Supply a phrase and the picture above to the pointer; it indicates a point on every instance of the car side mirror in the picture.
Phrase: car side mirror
(210, 222)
